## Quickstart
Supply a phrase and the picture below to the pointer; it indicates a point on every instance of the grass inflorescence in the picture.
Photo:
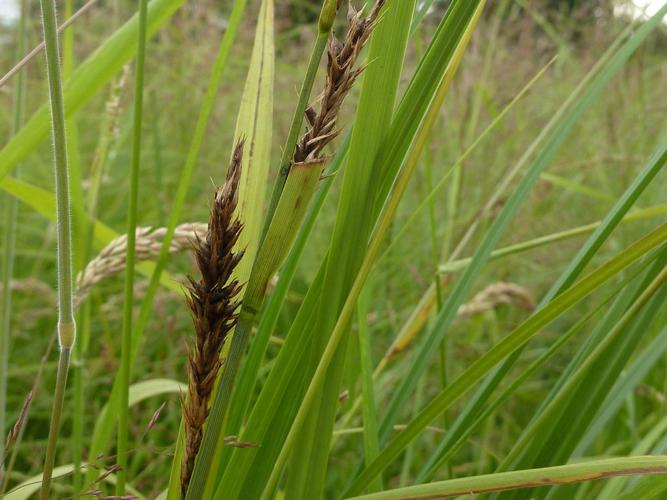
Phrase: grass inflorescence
(213, 301)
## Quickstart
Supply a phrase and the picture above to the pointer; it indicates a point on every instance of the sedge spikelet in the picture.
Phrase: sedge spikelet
(213, 301)
(342, 72)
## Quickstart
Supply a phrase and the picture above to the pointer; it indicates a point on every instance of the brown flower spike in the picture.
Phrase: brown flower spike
(214, 303)
(342, 72)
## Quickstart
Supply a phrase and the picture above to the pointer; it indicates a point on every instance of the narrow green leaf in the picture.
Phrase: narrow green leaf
(564, 474)
(371, 436)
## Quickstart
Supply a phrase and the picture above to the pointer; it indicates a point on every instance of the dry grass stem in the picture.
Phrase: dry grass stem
(214, 303)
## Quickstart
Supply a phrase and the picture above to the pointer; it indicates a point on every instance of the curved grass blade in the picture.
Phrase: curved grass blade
(564, 474)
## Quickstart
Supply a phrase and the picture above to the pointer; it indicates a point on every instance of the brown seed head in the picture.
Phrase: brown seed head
(342, 72)
(213, 302)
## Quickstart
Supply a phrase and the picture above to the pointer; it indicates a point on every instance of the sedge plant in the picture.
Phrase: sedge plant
(276, 374)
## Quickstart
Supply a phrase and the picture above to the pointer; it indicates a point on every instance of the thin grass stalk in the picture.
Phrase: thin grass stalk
(80, 224)
(9, 249)
(326, 20)
(181, 194)
(54, 428)
(66, 321)
(126, 349)
(107, 133)
(30, 55)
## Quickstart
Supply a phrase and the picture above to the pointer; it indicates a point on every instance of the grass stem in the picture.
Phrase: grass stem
(56, 413)
(66, 322)
(295, 127)
(126, 354)
(327, 16)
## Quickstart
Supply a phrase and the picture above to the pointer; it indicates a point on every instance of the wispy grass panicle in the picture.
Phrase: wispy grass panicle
(342, 72)
(214, 303)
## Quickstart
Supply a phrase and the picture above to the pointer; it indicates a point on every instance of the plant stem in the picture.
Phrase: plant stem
(217, 415)
(295, 127)
(56, 412)
(66, 322)
(326, 20)
(9, 247)
(126, 349)
(80, 228)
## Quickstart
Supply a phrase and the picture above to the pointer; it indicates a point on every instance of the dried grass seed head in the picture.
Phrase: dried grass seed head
(213, 301)
(342, 72)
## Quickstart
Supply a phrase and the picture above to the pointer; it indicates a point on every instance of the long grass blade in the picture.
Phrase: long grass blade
(565, 474)
(132, 216)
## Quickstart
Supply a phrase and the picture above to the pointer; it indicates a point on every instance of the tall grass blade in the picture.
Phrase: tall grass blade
(125, 370)
(564, 474)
